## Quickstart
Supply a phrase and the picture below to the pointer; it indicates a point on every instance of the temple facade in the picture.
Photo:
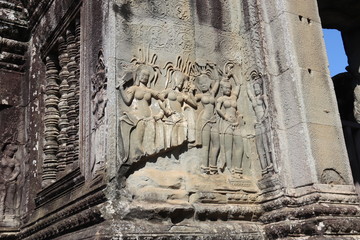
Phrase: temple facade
(178, 119)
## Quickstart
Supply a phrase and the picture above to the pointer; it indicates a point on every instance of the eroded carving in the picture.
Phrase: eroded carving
(194, 107)
(10, 170)
(138, 123)
(207, 134)
(231, 143)
(259, 102)
(178, 103)
(99, 86)
(99, 101)
(331, 176)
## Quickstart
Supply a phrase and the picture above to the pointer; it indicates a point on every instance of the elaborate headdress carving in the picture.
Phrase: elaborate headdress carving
(146, 62)
(185, 67)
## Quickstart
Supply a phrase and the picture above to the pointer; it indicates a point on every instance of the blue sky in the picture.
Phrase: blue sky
(335, 51)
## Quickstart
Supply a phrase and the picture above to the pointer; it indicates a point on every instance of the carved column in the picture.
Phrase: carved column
(77, 86)
(63, 137)
(72, 80)
(51, 120)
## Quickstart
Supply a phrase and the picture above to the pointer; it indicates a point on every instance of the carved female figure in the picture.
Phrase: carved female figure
(10, 170)
(207, 131)
(231, 143)
(176, 123)
(176, 99)
(135, 121)
(260, 106)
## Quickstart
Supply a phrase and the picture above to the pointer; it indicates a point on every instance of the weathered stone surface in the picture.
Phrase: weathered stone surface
(174, 120)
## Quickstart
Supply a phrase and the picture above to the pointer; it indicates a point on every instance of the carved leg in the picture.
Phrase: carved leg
(260, 149)
(238, 155)
(10, 199)
(228, 141)
(136, 150)
(2, 202)
(215, 146)
(205, 139)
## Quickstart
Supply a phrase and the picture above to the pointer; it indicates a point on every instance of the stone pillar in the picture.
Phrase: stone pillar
(311, 154)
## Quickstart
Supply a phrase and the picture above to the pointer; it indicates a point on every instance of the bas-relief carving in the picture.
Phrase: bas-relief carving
(179, 104)
(199, 108)
(331, 176)
(138, 123)
(99, 86)
(259, 101)
(99, 101)
(10, 170)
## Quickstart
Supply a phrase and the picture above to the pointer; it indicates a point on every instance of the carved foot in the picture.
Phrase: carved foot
(213, 170)
(205, 170)
(270, 168)
(238, 172)
(268, 171)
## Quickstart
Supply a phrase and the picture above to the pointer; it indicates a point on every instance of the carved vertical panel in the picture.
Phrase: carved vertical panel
(99, 102)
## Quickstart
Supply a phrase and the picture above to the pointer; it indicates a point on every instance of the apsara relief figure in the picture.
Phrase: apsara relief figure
(207, 135)
(10, 170)
(176, 124)
(137, 124)
(260, 106)
(229, 123)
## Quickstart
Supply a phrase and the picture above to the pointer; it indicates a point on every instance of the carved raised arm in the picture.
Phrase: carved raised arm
(215, 88)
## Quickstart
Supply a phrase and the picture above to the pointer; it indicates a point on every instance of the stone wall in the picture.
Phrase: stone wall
(170, 120)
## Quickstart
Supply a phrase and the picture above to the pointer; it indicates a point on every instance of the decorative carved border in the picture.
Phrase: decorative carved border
(82, 213)
(68, 183)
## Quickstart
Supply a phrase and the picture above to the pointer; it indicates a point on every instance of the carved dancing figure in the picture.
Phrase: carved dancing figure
(10, 170)
(260, 106)
(139, 118)
(99, 84)
(176, 124)
(231, 142)
(207, 134)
